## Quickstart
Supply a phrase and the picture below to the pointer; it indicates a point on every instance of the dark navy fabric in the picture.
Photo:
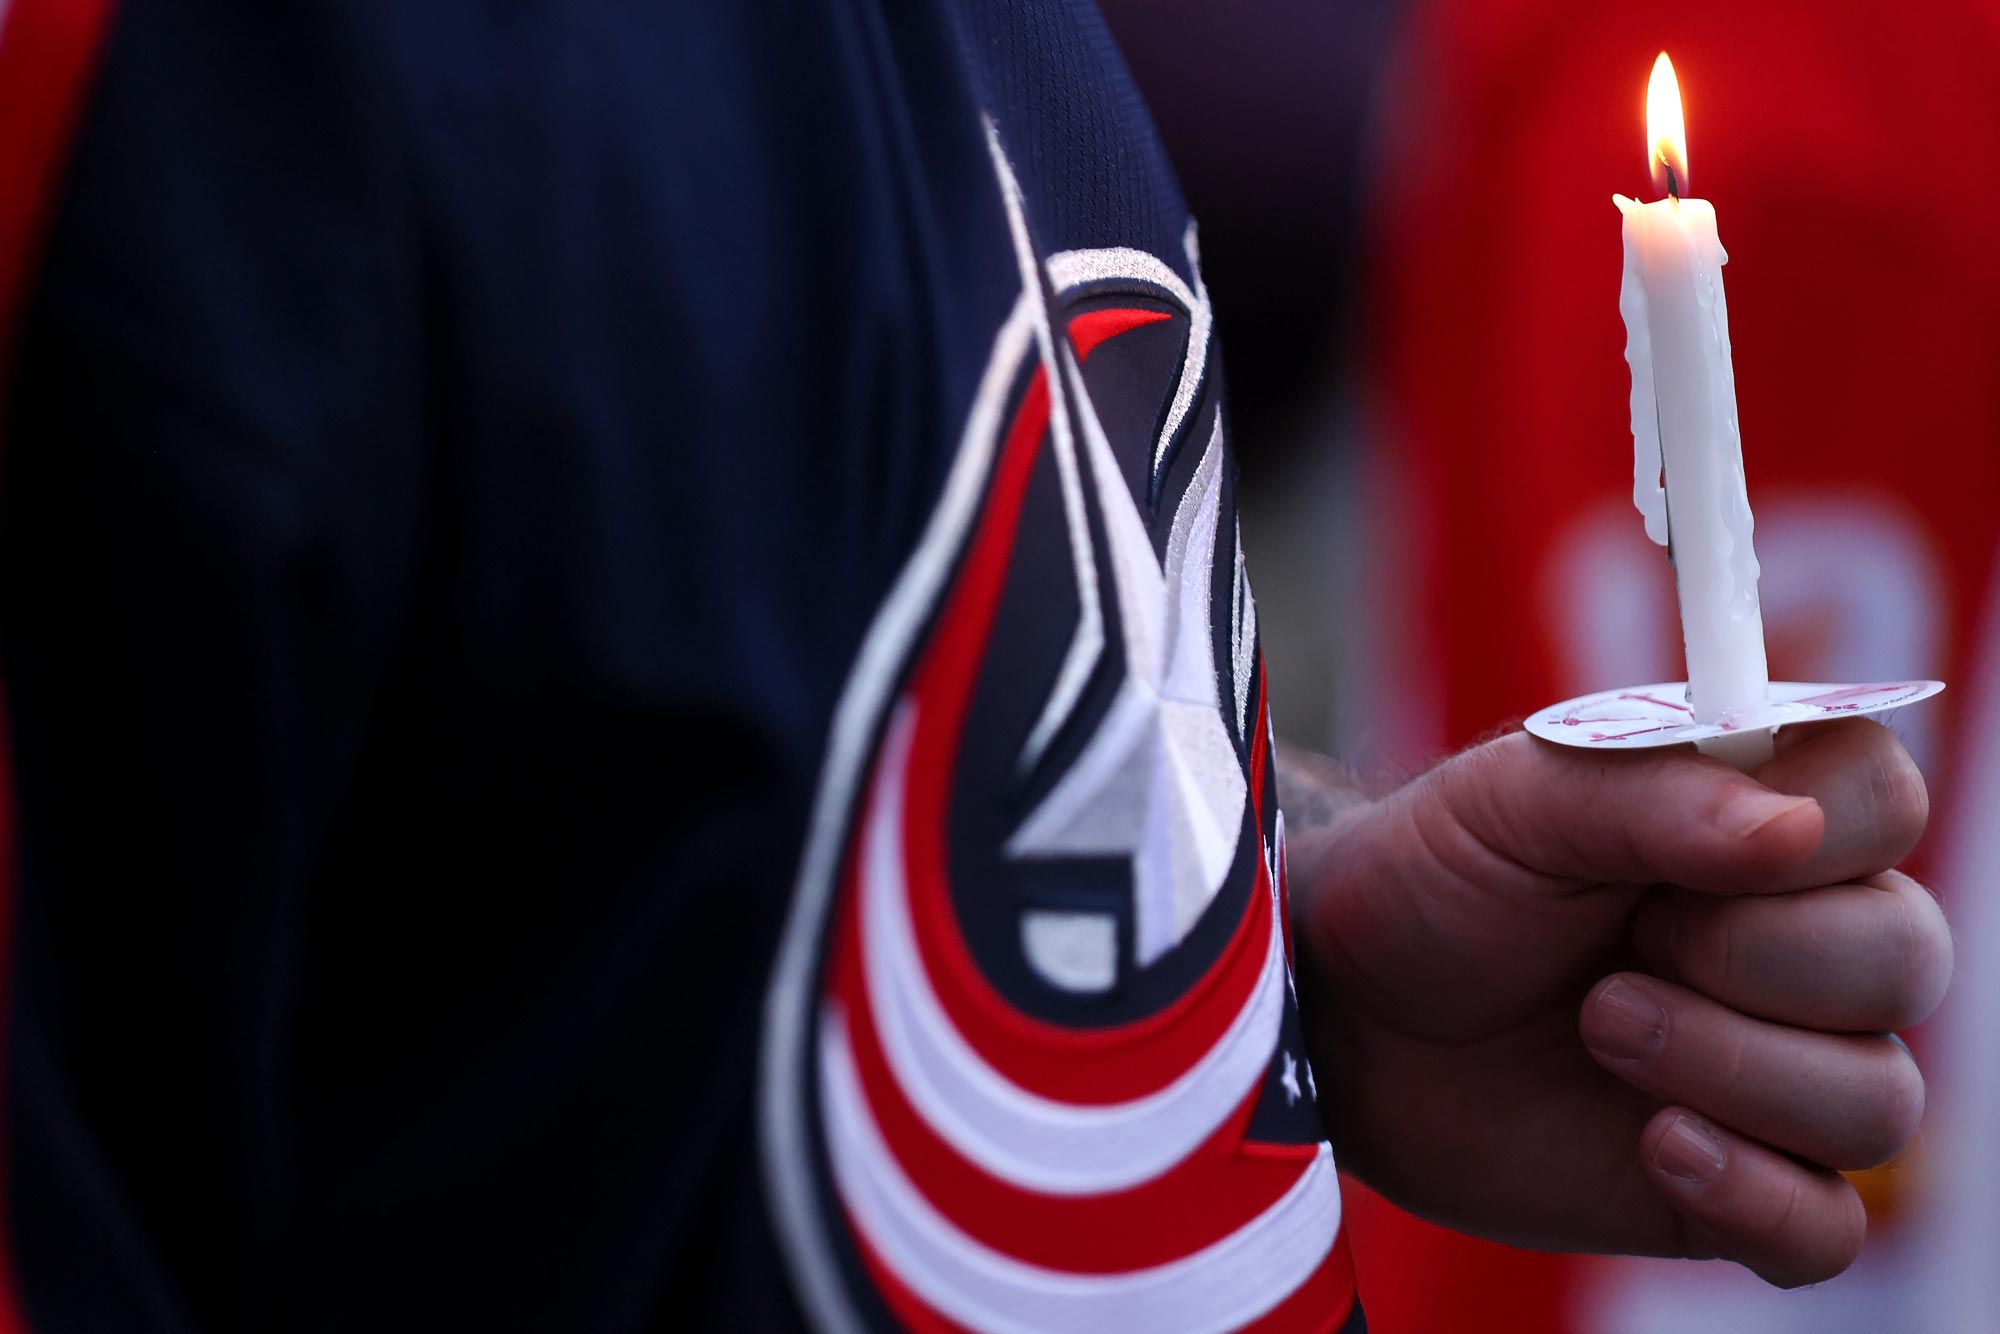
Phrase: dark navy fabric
(457, 451)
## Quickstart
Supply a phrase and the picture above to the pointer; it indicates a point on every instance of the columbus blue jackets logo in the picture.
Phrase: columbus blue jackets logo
(1032, 1055)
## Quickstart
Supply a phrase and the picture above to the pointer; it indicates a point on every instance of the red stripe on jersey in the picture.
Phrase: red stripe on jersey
(1320, 1305)
(1087, 331)
(1221, 1186)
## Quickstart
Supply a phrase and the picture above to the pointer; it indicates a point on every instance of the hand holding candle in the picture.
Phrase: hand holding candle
(1688, 483)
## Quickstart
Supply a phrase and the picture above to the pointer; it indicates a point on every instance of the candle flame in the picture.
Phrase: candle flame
(1666, 131)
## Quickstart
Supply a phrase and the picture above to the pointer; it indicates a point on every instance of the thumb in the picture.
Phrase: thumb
(1664, 816)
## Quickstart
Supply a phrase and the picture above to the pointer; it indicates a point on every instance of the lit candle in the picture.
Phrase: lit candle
(1684, 427)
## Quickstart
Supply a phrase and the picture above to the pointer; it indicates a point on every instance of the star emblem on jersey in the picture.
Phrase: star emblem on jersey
(1160, 781)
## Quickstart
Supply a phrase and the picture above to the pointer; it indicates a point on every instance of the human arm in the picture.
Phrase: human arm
(1318, 795)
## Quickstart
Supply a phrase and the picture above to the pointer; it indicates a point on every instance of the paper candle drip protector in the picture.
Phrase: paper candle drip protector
(1684, 432)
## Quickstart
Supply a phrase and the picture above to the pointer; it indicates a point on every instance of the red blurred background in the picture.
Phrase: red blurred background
(1408, 228)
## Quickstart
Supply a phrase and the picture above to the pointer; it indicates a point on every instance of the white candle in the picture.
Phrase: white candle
(1684, 416)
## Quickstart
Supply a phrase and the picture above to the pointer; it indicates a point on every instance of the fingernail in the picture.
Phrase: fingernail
(1690, 1151)
(1625, 1023)
(1751, 812)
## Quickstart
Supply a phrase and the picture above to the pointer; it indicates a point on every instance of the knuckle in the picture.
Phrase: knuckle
(1709, 950)
(1731, 1068)
(1891, 1110)
(1898, 794)
(1924, 953)
(1776, 1225)
(1477, 786)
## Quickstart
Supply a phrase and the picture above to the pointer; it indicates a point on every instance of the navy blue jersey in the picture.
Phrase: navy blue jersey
(635, 700)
